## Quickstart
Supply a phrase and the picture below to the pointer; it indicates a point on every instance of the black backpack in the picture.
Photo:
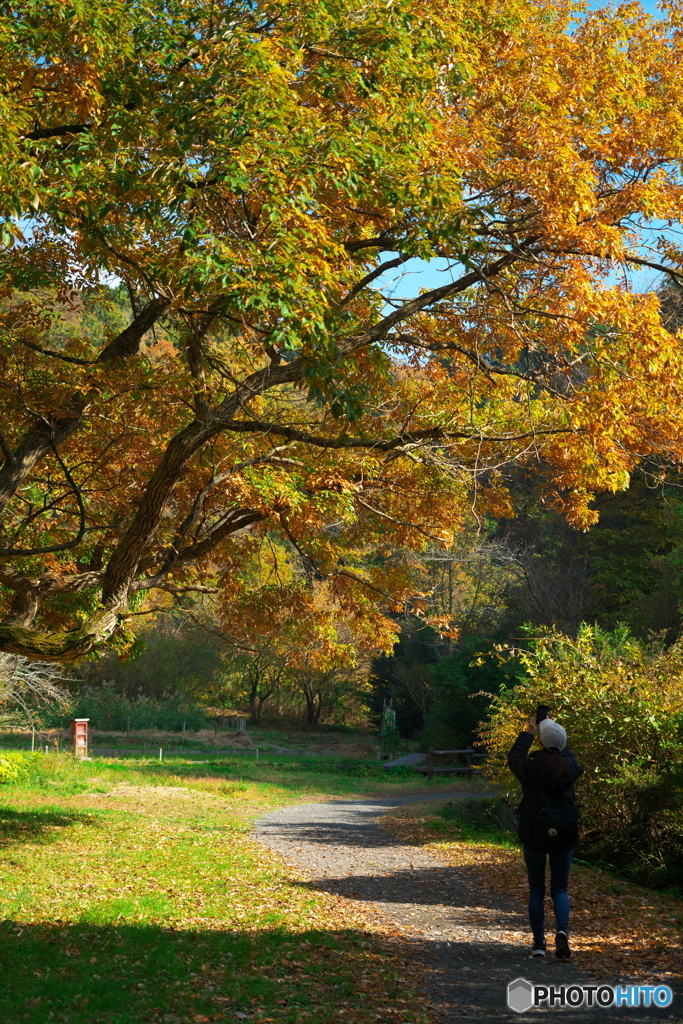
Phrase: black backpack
(555, 821)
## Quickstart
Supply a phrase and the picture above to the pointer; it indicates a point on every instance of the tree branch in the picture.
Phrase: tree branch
(133, 546)
(675, 275)
(261, 426)
(29, 593)
(383, 241)
(236, 520)
(54, 354)
(379, 331)
(398, 522)
(215, 481)
(6, 450)
(15, 552)
(481, 362)
(372, 276)
(59, 130)
(59, 647)
(53, 429)
(127, 343)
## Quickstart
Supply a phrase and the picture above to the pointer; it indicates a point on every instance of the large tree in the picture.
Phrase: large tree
(246, 173)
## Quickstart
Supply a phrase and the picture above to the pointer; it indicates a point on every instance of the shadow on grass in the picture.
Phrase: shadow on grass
(105, 973)
(42, 826)
(92, 973)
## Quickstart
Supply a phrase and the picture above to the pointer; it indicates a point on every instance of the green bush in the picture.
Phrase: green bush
(13, 766)
(620, 702)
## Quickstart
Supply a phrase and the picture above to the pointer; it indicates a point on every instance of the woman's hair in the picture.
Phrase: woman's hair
(554, 770)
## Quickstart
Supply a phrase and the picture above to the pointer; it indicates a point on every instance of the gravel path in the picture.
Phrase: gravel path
(471, 942)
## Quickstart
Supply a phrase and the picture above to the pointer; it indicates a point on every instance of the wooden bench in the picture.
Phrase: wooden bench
(468, 768)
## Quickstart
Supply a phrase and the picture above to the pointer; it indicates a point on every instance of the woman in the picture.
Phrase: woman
(548, 818)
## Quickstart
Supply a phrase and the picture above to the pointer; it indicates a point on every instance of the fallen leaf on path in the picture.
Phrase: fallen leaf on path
(621, 929)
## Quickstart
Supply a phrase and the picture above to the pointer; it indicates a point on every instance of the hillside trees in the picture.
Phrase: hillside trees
(627, 569)
(247, 172)
(172, 657)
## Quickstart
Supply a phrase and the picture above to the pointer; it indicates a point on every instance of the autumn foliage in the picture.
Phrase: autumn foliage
(240, 174)
(622, 706)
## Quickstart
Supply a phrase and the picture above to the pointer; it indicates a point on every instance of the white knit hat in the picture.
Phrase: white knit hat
(553, 735)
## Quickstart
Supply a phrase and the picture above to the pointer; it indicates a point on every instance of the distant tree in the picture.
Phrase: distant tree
(30, 691)
(463, 686)
(255, 678)
(172, 656)
(628, 568)
(333, 693)
(403, 677)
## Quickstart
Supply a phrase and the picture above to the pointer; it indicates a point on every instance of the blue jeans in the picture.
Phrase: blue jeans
(560, 863)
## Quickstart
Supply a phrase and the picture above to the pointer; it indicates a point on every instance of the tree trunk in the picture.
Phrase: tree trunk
(254, 709)
(310, 707)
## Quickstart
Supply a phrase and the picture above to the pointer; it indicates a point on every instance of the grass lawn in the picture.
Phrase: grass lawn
(132, 892)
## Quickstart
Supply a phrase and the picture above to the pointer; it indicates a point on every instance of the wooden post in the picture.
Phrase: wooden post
(161, 754)
(128, 728)
(33, 738)
(470, 758)
(183, 733)
(79, 737)
(430, 763)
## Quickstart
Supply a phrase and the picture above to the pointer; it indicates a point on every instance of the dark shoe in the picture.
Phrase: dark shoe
(538, 950)
(562, 950)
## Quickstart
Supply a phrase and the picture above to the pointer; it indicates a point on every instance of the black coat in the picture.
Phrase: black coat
(525, 767)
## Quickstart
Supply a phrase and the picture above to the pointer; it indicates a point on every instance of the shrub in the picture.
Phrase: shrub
(12, 766)
(108, 709)
(622, 705)
(486, 813)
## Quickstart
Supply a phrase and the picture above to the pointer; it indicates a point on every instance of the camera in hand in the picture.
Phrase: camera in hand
(542, 712)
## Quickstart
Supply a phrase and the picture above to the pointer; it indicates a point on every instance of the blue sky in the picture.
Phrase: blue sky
(417, 274)
(648, 5)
